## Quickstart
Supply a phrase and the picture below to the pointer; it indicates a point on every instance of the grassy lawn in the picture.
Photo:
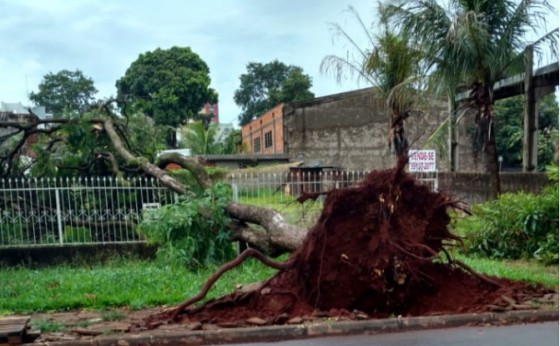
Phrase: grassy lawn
(140, 284)
(303, 215)
(518, 270)
(136, 284)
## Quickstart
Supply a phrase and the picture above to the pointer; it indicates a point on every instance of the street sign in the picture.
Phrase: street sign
(422, 161)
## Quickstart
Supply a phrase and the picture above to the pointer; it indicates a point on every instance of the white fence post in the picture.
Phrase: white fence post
(59, 216)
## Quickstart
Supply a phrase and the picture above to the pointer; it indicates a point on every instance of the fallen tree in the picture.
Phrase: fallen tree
(378, 249)
(274, 235)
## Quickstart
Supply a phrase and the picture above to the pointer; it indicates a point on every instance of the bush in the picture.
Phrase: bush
(187, 237)
(516, 225)
(77, 235)
(12, 234)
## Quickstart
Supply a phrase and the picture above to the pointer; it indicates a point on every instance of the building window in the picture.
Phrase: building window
(268, 139)
(257, 145)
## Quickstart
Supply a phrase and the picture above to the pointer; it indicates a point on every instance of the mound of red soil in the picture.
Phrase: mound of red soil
(374, 252)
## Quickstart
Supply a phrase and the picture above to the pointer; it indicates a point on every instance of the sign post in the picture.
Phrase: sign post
(422, 161)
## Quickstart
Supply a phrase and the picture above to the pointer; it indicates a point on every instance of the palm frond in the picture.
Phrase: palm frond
(340, 67)
(438, 139)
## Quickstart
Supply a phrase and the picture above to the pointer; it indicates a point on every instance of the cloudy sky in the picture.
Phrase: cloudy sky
(102, 38)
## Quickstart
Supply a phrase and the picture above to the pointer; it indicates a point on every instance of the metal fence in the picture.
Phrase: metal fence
(271, 188)
(78, 210)
(47, 211)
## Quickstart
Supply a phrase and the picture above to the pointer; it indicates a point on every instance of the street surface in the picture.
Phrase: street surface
(534, 334)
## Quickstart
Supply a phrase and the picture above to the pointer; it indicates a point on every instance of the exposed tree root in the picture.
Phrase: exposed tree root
(222, 270)
(479, 276)
(471, 271)
(375, 248)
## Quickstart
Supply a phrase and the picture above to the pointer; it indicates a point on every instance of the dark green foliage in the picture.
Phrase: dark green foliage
(84, 150)
(77, 235)
(168, 85)
(192, 232)
(508, 117)
(65, 92)
(514, 226)
(11, 234)
(266, 85)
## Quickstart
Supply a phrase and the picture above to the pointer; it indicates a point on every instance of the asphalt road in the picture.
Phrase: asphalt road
(534, 334)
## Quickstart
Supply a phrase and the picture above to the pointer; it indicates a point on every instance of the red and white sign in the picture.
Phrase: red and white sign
(422, 161)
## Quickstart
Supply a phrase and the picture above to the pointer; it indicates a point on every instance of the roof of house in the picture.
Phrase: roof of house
(18, 108)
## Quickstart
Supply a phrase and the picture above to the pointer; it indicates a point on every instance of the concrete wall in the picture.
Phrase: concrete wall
(468, 160)
(473, 188)
(349, 130)
(72, 254)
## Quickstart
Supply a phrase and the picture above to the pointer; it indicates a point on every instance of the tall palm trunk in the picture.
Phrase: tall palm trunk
(484, 99)
(492, 163)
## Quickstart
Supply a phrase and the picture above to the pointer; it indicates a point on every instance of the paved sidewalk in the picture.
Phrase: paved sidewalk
(308, 330)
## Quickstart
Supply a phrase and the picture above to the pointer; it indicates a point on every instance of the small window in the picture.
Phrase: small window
(268, 139)
(257, 145)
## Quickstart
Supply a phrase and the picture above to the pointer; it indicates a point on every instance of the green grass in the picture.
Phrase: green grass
(303, 215)
(48, 326)
(136, 284)
(519, 270)
(141, 284)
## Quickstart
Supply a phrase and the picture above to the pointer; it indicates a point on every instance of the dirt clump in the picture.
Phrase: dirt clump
(378, 249)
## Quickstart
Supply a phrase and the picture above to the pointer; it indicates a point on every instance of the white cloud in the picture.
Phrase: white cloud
(102, 38)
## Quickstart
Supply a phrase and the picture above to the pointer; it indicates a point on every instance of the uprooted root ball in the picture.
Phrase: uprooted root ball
(375, 251)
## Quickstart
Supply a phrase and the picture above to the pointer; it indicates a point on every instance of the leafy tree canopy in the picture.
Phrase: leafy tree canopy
(472, 44)
(266, 85)
(168, 85)
(207, 140)
(508, 115)
(82, 149)
(65, 90)
(391, 65)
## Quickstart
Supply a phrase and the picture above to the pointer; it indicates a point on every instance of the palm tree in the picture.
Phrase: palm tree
(201, 140)
(390, 65)
(470, 44)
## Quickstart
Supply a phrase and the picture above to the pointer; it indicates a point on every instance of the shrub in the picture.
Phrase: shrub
(12, 234)
(514, 226)
(77, 235)
(184, 235)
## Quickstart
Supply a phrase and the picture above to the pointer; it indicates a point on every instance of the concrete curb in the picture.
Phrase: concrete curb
(316, 329)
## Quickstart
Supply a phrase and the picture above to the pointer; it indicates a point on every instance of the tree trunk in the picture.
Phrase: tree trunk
(276, 237)
(492, 161)
(280, 234)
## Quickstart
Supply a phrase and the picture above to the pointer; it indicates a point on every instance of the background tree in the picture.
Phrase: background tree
(508, 116)
(168, 85)
(471, 43)
(390, 65)
(65, 90)
(266, 85)
(202, 140)
(233, 143)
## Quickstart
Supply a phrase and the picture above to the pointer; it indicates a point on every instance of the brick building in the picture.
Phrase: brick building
(211, 109)
(265, 135)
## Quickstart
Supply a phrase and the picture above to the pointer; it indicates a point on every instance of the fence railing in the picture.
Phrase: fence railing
(106, 210)
(264, 188)
(78, 210)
